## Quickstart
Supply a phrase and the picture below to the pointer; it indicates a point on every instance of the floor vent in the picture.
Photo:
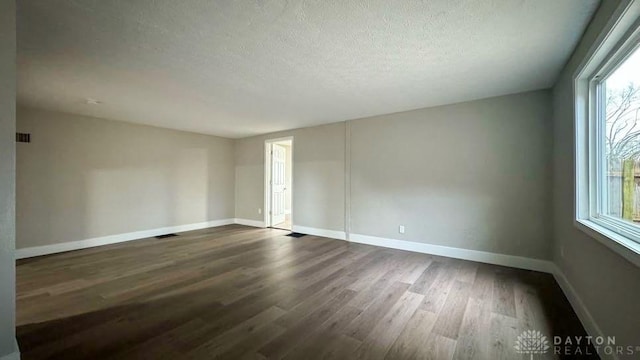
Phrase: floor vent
(165, 236)
(296, 235)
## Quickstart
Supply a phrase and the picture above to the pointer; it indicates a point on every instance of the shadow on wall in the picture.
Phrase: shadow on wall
(82, 178)
(136, 196)
(87, 203)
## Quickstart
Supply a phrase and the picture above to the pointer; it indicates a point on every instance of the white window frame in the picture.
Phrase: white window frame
(619, 39)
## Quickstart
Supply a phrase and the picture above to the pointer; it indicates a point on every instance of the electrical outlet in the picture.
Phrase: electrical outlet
(401, 229)
(259, 211)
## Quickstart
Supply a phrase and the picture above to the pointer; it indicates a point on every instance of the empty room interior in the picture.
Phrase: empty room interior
(291, 179)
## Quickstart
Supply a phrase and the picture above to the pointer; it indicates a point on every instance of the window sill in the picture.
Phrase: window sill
(621, 245)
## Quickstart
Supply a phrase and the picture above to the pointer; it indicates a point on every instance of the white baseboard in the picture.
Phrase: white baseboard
(14, 355)
(457, 253)
(247, 222)
(333, 234)
(589, 324)
(114, 239)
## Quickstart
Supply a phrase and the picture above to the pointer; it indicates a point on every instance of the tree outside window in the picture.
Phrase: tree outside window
(622, 140)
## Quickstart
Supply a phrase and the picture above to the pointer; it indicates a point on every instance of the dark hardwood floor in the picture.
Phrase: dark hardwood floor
(244, 293)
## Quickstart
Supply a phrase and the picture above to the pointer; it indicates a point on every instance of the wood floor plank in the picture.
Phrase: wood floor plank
(437, 293)
(450, 318)
(313, 300)
(504, 331)
(384, 334)
(229, 338)
(279, 347)
(474, 338)
(367, 295)
(246, 345)
(412, 342)
(440, 347)
(364, 324)
(428, 277)
(415, 266)
(236, 292)
(324, 338)
(504, 301)
(483, 282)
(467, 272)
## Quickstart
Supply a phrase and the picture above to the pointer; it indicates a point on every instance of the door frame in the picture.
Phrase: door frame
(268, 163)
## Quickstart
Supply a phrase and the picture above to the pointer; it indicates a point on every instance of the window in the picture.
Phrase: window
(607, 124)
(616, 96)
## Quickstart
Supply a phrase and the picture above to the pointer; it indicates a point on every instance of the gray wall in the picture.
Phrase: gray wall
(83, 177)
(318, 176)
(473, 175)
(7, 174)
(608, 285)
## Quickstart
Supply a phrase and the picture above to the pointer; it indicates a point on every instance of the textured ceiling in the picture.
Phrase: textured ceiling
(239, 68)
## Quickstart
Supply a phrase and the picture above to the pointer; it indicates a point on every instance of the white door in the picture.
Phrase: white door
(278, 184)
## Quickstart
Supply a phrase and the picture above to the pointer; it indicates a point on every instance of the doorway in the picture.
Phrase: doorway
(278, 183)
